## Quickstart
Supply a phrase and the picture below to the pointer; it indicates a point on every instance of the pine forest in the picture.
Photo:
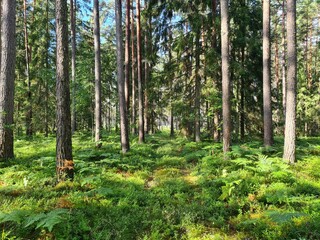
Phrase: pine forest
(159, 119)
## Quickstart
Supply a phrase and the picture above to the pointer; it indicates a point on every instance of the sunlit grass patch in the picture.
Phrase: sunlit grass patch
(165, 173)
(171, 161)
(168, 188)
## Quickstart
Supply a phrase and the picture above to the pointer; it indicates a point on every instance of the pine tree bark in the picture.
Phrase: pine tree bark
(121, 81)
(267, 108)
(7, 74)
(97, 72)
(276, 60)
(27, 72)
(133, 77)
(146, 90)
(73, 7)
(127, 55)
(197, 89)
(283, 61)
(226, 108)
(147, 71)
(242, 97)
(46, 97)
(64, 160)
(171, 83)
(140, 86)
(290, 124)
(215, 122)
(0, 29)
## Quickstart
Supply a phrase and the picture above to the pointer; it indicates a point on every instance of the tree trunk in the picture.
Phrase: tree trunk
(121, 81)
(127, 55)
(146, 95)
(226, 108)
(0, 30)
(290, 125)
(147, 71)
(309, 71)
(97, 72)
(197, 89)
(242, 98)
(267, 109)
(7, 74)
(283, 61)
(73, 8)
(64, 161)
(133, 76)
(46, 97)
(277, 71)
(215, 122)
(140, 90)
(171, 83)
(27, 72)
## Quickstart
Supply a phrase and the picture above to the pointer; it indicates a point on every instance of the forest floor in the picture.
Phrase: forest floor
(168, 188)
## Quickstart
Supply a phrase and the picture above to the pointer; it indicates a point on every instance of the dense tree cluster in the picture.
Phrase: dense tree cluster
(206, 69)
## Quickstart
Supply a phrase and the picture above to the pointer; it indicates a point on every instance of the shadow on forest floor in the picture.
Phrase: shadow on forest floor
(168, 188)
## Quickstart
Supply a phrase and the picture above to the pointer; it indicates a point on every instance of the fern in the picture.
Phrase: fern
(42, 220)
(100, 192)
(283, 217)
(34, 218)
(94, 180)
(16, 216)
(228, 189)
(52, 218)
(47, 220)
(242, 162)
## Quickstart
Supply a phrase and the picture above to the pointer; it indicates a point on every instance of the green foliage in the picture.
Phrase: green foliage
(39, 220)
(47, 220)
(228, 189)
(16, 216)
(160, 190)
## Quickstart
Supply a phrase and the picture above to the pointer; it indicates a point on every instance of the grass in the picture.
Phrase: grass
(164, 189)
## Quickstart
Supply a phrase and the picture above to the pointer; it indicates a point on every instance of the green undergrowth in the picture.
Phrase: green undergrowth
(168, 188)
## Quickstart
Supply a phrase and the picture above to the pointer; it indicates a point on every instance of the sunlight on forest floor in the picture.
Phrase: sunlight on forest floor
(165, 189)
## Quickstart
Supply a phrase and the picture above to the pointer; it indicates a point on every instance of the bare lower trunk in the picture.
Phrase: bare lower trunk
(133, 76)
(171, 76)
(0, 29)
(140, 89)
(73, 8)
(283, 62)
(215, 122)
(226, 108)
(267, 110)
(97, 72)
(216, 133)
(276, 58)
(121, 81)
(64, 160)
(127, 55)
(46, 98)
(290, 126)
(242, 117)
(8, 58)
(277, 75)
(197, 90)
(146, 80)
(27, 72)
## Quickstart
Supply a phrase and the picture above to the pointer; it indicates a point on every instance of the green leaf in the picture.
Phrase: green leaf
(34, 218)
(52, 218)
(102, 191)
(283, 217)
(16, 216)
